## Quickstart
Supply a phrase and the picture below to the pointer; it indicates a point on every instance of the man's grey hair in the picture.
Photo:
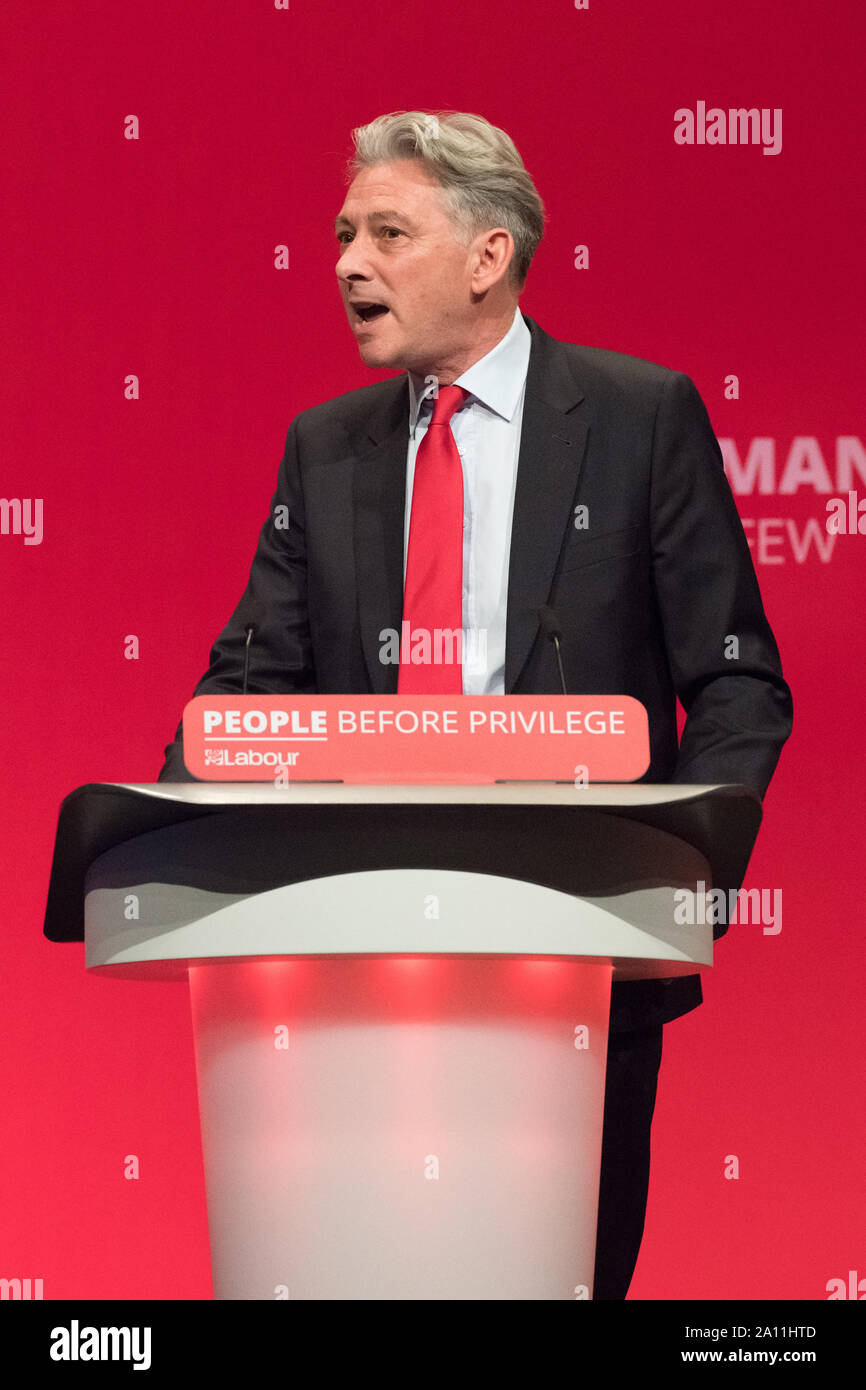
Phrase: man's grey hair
(484, 179)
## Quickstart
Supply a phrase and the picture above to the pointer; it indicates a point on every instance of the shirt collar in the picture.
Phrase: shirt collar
(496, 380)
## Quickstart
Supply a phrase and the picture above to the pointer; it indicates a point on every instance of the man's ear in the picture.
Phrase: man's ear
(494, 251)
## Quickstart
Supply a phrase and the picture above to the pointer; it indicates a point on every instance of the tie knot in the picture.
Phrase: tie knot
(449, 399)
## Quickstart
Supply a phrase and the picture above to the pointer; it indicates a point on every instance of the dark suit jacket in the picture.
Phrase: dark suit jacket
(646, 595)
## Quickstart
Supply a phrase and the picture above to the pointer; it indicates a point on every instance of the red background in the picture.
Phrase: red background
(155, 257)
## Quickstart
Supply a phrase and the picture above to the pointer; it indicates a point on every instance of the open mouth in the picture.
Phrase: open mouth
(367, 311)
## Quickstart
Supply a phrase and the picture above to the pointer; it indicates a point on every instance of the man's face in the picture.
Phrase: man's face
(398, 249)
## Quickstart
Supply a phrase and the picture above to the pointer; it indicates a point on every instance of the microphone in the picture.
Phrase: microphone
(250, 631)
(552, 630)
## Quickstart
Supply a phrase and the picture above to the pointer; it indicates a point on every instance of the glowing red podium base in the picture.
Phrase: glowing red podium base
(401, 1128)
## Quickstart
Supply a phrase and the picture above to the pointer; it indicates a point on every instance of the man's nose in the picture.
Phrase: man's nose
(353, 261)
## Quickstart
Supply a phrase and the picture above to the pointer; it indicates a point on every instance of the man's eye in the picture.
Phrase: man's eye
(344, 237)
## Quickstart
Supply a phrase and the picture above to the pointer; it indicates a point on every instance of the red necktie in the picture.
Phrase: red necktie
(433, 591)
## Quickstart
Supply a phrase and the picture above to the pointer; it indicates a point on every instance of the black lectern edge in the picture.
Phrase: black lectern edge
(711, 817)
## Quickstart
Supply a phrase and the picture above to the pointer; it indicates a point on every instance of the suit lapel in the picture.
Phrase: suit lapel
(551, 454)
(552, 449)
(379, 503)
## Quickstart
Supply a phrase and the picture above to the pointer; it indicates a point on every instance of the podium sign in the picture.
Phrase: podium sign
(416, 738)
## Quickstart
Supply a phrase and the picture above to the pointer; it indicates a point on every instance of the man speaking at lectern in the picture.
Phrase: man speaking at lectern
(505, 472)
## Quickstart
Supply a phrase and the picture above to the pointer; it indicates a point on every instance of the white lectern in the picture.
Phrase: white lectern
(400, 1001)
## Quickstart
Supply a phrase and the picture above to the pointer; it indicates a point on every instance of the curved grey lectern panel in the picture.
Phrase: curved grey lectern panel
(529, 831)
(212, 889)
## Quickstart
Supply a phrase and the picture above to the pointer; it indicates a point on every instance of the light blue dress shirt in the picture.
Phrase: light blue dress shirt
(487, 433)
